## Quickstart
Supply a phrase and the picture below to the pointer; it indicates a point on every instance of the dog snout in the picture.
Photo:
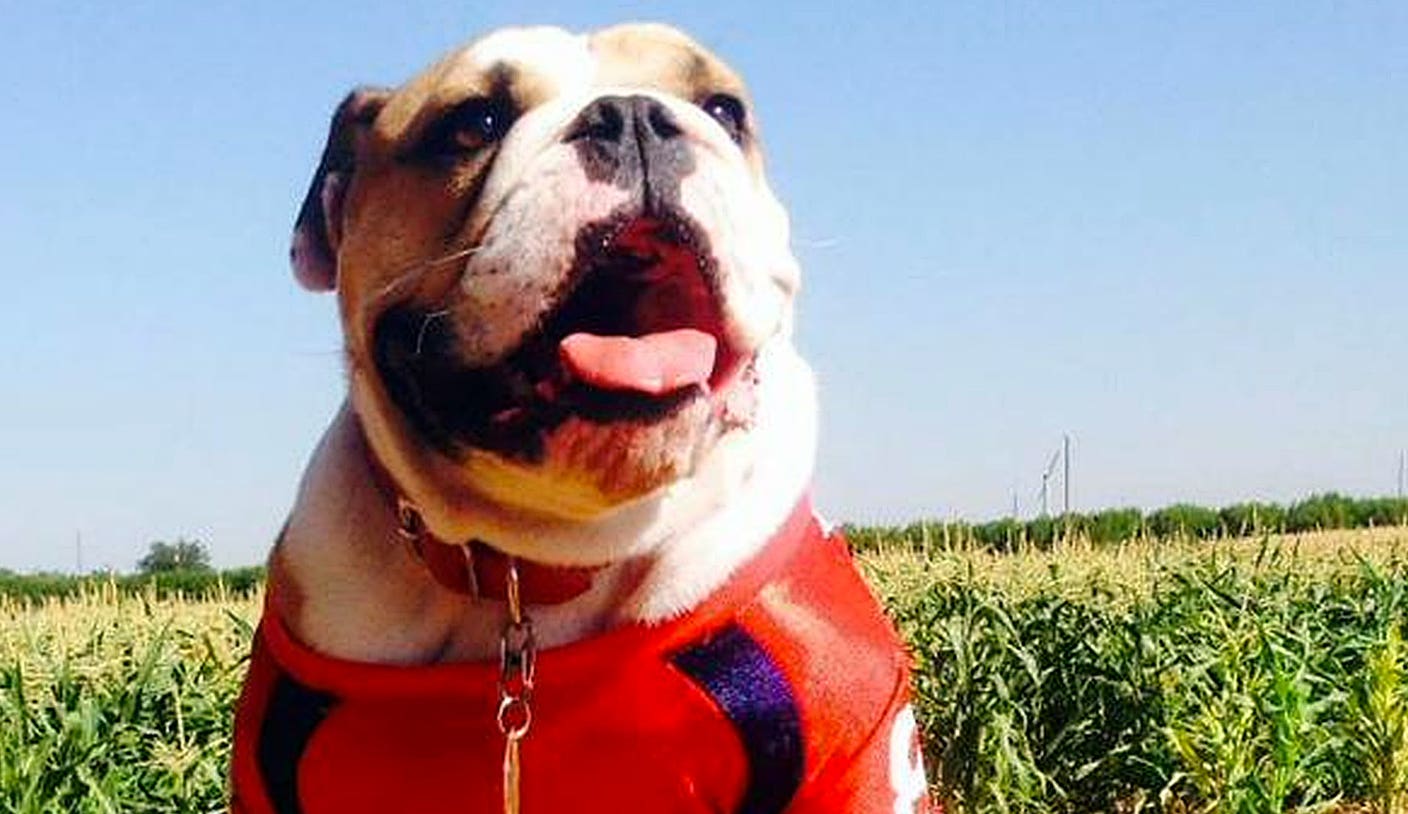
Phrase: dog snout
(633, 142)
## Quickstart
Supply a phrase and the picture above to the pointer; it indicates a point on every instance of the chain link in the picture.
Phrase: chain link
(518, 655)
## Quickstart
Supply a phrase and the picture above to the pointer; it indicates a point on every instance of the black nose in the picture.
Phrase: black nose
(635, 143)
(617, 120)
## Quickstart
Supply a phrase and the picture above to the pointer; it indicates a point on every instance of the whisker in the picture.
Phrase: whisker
(409, 274)
(425, 327)
(817, 243)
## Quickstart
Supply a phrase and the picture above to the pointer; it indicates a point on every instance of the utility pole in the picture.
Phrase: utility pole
(1402, 474)
(1066, 477)
(78, 551)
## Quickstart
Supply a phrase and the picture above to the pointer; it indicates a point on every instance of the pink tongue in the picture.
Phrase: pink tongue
(655, 364)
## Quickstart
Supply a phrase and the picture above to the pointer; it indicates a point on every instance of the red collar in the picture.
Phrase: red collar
(475, 568)
(796, 550)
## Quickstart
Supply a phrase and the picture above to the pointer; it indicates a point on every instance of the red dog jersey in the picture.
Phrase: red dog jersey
(785, 691)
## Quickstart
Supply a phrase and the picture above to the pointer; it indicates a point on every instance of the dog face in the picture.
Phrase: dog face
(558, 263)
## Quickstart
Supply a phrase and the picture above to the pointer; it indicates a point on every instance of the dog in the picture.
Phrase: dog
(556, 551)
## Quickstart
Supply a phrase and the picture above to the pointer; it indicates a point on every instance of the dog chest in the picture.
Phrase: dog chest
(746, 705)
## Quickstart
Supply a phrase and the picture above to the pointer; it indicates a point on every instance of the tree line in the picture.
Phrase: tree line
(169, 568)
(1179, 521)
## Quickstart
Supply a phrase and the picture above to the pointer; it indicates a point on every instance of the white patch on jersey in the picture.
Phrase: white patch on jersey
(907, 776)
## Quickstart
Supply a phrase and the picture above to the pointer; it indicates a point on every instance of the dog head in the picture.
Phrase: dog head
(560, 272)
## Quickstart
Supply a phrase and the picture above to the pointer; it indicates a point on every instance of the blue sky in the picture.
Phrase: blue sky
(1174, 230)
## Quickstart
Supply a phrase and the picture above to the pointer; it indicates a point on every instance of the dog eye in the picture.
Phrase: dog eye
(729, 112)
(473, 125)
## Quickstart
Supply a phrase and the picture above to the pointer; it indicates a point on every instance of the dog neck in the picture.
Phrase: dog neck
(347, 587)
(473, 567)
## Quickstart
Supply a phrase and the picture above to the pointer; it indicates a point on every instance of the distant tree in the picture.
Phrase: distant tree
(182, 555)
(1185, 520)
(1328, 511)
(1381, 511)
(999, 535)
(1252, 517)
(1115, 525)
(1043, 531)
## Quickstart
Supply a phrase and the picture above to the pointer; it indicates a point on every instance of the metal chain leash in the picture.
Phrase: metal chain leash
(518, 653)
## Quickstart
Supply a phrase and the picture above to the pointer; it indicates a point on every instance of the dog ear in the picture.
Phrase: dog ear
(318, 228)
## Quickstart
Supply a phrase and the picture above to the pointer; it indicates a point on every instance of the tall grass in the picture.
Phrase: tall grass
(1255, 677)
(112, 701)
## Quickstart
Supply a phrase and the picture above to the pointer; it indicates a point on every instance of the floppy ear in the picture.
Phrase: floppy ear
(318, 229)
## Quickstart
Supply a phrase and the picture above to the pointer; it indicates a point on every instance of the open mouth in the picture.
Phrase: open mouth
(637, 333)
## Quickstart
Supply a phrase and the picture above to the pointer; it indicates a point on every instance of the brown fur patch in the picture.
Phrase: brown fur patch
(283, 594)
(655, 56)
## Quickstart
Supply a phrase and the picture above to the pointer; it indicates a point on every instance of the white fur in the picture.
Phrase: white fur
(556, 55)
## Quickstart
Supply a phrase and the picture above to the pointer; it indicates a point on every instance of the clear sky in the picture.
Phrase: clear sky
(1175, 230)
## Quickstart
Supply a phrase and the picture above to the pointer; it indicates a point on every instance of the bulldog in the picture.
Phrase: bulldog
(556, 551)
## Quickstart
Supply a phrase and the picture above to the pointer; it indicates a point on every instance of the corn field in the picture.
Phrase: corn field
(1253, 676)
(1260, 675)
(119, 702)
